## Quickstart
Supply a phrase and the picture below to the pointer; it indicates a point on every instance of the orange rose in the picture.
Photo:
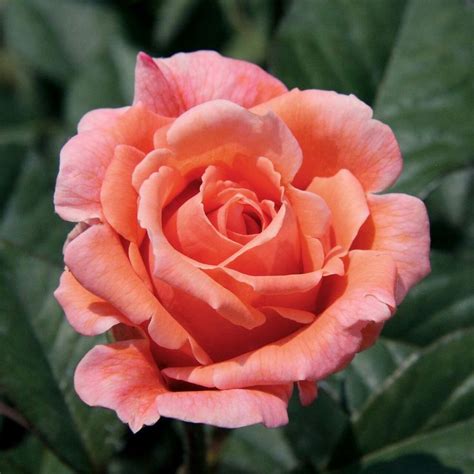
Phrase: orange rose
(230, 235)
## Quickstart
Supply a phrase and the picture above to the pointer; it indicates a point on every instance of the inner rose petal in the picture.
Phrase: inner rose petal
(175, 269)
(190, 231)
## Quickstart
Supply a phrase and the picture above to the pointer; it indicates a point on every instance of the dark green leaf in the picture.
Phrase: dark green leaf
(107, 82)
(340, 45)
(441, 303)
(61, 37)
(443, 451)
(29, 34)
(95, 87)
(31, 237)
(251, 23)
(367, 372)
(256, 449)
(314, 431)
(171, 17)
(27, 379)
(434, 391)
(452, 214)
(426, 94)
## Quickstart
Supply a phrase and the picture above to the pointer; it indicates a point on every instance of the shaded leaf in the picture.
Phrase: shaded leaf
(433, 391)
(369, 369)
(426, 94)
(339, 45)
(444, 451)
(452, 214)
(61, 37)
(441, 303)
(251, 23)
(27, 379)
(256, 449)
(170, 19)
(314, 431)
(32, 265)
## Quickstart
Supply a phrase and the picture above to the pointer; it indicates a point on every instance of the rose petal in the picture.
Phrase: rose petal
(275, 251)
(190, 232)
(336, 131)
(308, 391)
(85, 158)
(172, 267)
(346, 199)
(228, 408)
(87, 313)
(311, 211)
(83, 161)
(364, 296)
(399, 225)
(272, 284)
(173, 85)
(218, 336)
(124, 378)
(138, 265)
(118, 197)
(219, 131)
(98, 261)
(298, 315)
(100, 118)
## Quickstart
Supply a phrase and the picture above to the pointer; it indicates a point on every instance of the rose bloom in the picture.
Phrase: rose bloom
(231, 237)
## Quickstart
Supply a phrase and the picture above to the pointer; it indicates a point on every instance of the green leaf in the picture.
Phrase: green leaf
(422, 85)
(367, 372)
(452, 214)
(251, 23)
(426, 94)
(93, 88)
(107, 82)
(39, 381)
(59, 37)
(30, 207)
(171, 17)
(441, 303)
(20, 111)
(28, 33)
(256, 449)
(27, 379)
(314, 431)
(340, 45)
(443, 451)
(428, 395)
(31, 457)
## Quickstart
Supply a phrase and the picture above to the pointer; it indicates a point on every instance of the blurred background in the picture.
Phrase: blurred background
(404, 406)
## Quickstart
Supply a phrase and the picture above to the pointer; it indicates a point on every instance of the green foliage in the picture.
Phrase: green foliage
(405, 405)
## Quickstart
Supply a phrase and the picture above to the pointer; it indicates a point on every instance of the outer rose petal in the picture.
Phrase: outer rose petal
(86, 312)
(336, 131)
(399, 225)
(100, 118)
(124, 377)
(346, 199)
(98, 261)
(363, 297)
(308, 391)
(228, 408)
(173, 85)
(86, 157)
